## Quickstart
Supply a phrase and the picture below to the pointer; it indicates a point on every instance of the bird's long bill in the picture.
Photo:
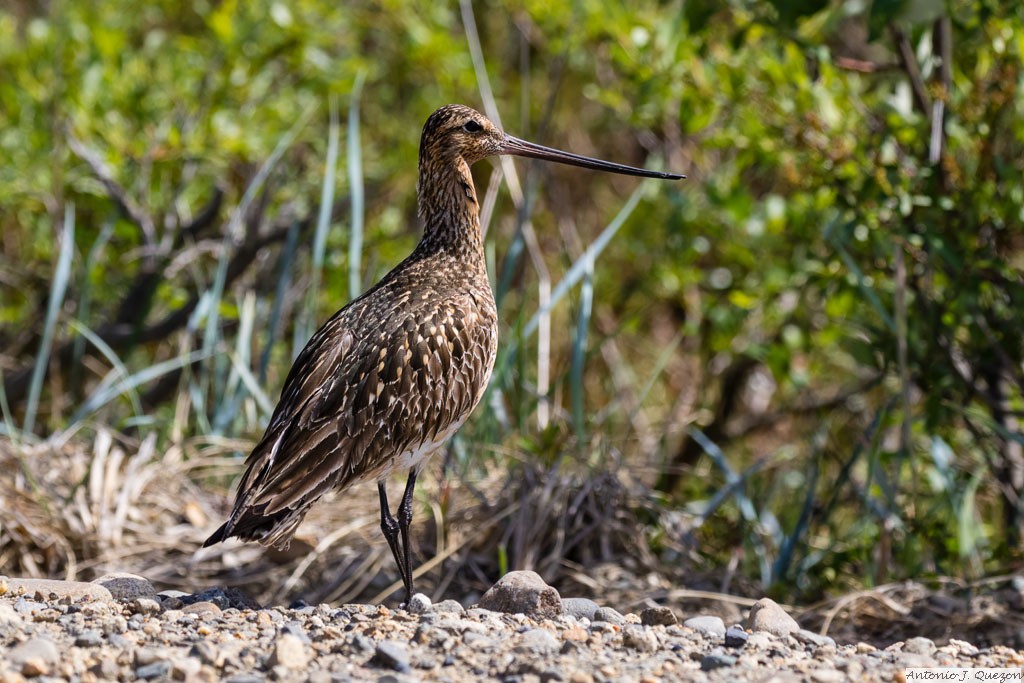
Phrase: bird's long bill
(523, 148)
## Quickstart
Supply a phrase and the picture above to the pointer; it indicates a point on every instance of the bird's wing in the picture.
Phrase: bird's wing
(352, 406)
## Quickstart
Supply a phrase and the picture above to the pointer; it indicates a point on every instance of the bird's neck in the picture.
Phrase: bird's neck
(450, 211)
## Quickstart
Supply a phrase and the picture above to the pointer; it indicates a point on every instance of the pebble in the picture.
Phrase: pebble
(581, 608)
(538, 640)
(289, 652)
(767, 615)
(817, 640)
(393, 655)
(523, 592)
(710, 626)
(34, 649)
(610, 615)
(418, 604)
(919, 646)
(716, 661)
(736, 636)
(86, 640)
(448, 607)
(660, 616)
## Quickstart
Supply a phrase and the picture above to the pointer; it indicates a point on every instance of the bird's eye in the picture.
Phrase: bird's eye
(472, 126)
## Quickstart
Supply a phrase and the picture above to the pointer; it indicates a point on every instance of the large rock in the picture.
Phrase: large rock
(766, 615)
(127, 587)
(523, 592)
(73, 590)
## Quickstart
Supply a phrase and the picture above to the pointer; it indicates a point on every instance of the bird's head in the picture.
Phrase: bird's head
(457, 131)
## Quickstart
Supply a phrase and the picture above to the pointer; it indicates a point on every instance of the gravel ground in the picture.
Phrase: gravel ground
(120, 628)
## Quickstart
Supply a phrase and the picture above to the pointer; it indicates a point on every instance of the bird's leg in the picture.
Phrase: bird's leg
(389, 525)
(404, 520)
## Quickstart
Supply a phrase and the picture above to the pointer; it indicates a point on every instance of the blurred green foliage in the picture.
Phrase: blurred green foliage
(808, 355)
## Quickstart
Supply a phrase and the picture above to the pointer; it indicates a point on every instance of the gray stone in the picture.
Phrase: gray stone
(919, 646)
(660, 616)
(392, 655)
(827, 676)
(713, 661)
(89, 638)
(289, 652)
(185, 669)
(811, 638)
(736, 636)
(638, 638)
(155, 670)
(610, 615)
(523, 592)
(448, 606)
(142, 606)
(126, 587)
(766, 615)
(537, 640)
(707, 625)
(204, 651)
(295, 629)
(580, 607)
(9, 616)
(41, 649)
(419, 604)
(26, 606)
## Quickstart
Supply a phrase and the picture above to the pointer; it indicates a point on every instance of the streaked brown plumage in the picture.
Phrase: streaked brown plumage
(392, 375)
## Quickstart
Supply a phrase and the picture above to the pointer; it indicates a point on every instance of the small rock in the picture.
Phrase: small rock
(202, 607)
(148, 655)
(204, 651)
(580, 607)
(714, 661)
(8, 616)
(477, 641)
(811, 638)
(185, 669)
(89, 638)
(24, 606)
(106, 670)
(155, 670)
(39, 649)
(419, 604)
(33, 667)
(295, 628)
(710, 626)
(660, 616)
(639, 638)
(919, 646)
(74, 590)
(610, 615)
(827, 676)
(126, 587)
(766, 615)
(736, 637)
(537, 640)
(523, 592)
(145, 606)
(393, 655)
(289, 652)
(964, 648)
(448, 607)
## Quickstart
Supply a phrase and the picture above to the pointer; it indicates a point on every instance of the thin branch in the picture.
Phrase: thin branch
(128, 206)
(909, 63)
